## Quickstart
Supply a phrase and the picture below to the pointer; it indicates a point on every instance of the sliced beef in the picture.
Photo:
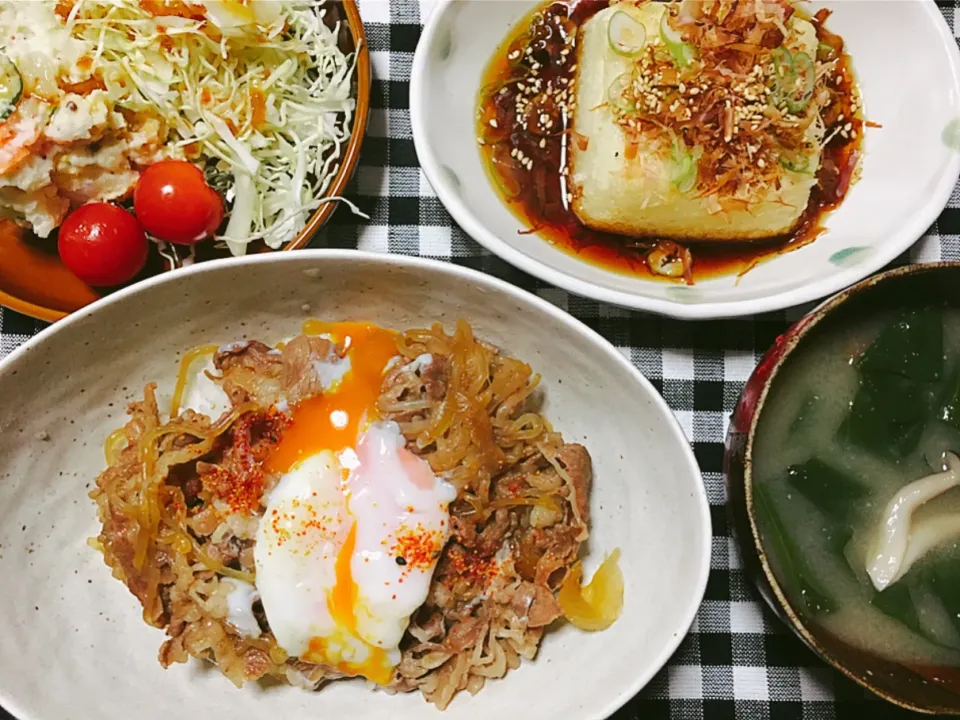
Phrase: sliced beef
(465, 634)
(251, 372)
(300, 377)
(535, 603)
(249, 354)
(434, 377)
(576, 461)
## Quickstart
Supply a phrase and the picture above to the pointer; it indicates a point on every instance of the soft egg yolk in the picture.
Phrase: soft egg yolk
(333, 421)
(377, 666)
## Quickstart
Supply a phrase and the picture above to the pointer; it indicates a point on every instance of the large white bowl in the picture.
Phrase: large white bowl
(908, 66)
(74, 646)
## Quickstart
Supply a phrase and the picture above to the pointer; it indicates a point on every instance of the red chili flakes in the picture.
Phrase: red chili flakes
(239, 479)
(304, 522)
(470, 566)
(418, 546)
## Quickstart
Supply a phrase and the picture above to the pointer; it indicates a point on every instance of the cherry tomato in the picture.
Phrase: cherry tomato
(102, 244)
(174, 203)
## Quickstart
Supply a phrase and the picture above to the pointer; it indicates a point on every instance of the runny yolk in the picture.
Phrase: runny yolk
(341, 603)
(332, 421)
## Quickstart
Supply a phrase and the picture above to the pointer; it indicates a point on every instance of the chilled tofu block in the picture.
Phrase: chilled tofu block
(634, 170)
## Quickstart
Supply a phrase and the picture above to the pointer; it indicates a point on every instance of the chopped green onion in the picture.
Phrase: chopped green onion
(825, 52)
(794, 76)
(626, 35)
(806, 78)
(784, 66)
(685, 166)
(616, 92)
(681, 52)
(795, 163)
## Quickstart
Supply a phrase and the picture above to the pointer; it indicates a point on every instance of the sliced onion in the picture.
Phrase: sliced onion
(505, 169)
(626, 34)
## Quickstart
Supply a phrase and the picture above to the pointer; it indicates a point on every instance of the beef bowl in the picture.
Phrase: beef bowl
(359, 473)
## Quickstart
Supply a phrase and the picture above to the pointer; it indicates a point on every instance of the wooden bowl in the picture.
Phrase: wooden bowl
(924, 689)
(33, 281)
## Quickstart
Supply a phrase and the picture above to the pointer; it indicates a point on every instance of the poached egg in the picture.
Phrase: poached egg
(348, 544)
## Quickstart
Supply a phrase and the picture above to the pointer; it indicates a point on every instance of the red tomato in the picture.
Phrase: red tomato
(102, 244)
(174, 203)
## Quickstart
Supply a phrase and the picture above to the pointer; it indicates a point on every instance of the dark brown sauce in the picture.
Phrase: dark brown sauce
(536, 194)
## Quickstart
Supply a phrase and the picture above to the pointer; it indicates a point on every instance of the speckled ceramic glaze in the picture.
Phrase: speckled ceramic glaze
(892, 681)
(908, 68)
(74, 646)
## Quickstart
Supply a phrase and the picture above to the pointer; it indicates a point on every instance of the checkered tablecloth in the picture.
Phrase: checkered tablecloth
(738, 661)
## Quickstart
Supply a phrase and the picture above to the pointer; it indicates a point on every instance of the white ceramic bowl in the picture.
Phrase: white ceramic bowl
(908, 67)
(74, 645)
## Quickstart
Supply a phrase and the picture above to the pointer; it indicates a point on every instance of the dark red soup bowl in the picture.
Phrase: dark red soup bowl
(774, 560)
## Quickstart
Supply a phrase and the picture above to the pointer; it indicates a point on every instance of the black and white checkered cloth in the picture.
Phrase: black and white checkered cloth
(738, 661)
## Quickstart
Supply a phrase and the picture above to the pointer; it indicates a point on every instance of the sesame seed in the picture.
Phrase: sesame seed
(494, 123)
(682, 88)
(513, 153)
(543, 143)
(848, 127)
(694, 91)
(761, 164)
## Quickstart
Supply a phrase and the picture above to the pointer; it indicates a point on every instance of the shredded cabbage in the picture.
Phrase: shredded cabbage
(260, 91)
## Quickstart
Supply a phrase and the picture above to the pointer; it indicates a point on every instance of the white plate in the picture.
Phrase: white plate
(74, 645)
(908, 67)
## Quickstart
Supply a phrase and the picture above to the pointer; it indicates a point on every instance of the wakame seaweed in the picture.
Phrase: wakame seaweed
(911, 347)
(889, 414)
(897, 393)
(833, 491)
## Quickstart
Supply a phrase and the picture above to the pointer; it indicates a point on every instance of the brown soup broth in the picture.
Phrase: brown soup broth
(528, 167)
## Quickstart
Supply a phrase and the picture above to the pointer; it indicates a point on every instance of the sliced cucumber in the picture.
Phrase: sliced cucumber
(11, 86)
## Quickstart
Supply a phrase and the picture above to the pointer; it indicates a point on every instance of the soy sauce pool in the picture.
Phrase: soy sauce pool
(525, 147)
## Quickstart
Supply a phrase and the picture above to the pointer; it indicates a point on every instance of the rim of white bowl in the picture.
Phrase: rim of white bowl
(884, 254)
(477, 278)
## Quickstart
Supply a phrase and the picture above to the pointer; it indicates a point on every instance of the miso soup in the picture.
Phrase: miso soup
(854, 496)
